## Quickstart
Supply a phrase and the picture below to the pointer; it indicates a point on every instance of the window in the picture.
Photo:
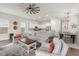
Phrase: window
(4, 26)
(1, 22)
(22, 27)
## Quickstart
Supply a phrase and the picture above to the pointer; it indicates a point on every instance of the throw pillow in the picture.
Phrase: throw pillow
(18, 36)
(51, 47)
(58, 46)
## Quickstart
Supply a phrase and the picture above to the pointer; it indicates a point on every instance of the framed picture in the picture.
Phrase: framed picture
(15, 23)
(15, 27)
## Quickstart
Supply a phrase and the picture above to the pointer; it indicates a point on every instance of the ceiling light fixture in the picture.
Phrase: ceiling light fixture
(31, 8)
(67, 16)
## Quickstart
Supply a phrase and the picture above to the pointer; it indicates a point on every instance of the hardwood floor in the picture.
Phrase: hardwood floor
(73, 52)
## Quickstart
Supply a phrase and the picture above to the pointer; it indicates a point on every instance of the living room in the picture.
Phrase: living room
(39, 23)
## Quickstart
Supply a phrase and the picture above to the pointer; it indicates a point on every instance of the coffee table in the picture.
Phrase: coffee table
(29, 48)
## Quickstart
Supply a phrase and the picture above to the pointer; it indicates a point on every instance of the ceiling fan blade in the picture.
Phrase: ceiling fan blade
(30, 6)
(27, 8)
(36, 7)
(33, 12)
(30, 12)
(33, 4)
(26, 12)
(37, 10)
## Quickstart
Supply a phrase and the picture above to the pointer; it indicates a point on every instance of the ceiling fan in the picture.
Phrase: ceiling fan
(31, 8)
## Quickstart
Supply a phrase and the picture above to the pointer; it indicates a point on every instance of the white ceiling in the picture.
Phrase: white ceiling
(46, 10)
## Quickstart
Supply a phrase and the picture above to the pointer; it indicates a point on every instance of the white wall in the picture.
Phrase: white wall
(32, 24)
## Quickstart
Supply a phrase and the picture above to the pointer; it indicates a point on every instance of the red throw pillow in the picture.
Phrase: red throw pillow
(18, 36)
(51, 47)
